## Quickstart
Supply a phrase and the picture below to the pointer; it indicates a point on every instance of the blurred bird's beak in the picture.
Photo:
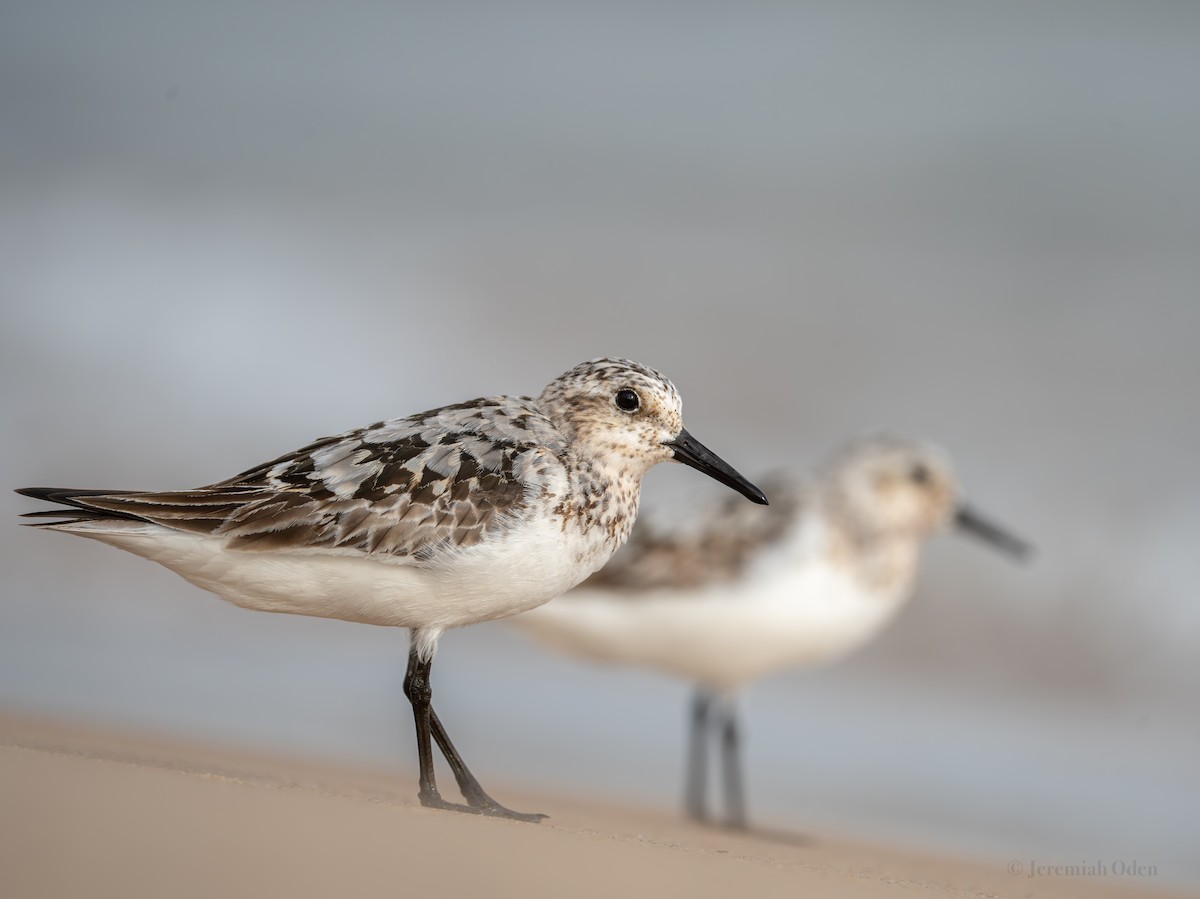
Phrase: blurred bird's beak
(691, 451)
(973, 523)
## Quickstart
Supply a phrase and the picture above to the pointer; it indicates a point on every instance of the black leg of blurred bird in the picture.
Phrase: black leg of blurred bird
(419, 692)
(735, 799)
(697, 765)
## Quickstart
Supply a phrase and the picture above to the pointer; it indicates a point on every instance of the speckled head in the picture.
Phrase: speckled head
(619, 411)
(885, 486)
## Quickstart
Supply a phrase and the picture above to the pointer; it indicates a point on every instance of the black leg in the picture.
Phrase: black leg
(735, 799)
(416, 688)
(477, 798)
(697, 764)
(420, 694)
(471, 789)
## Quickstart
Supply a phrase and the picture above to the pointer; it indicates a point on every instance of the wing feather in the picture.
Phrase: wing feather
(404, 488)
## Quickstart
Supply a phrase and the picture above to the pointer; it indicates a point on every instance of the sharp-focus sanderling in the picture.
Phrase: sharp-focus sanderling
(461, 514)
(733, 594)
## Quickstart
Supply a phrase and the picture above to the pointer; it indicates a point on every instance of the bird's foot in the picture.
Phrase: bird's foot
(488, 807)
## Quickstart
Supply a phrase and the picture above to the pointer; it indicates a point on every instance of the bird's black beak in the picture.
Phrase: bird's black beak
(691, 451)
(973, 523)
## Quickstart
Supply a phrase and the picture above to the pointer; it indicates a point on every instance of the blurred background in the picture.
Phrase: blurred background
(227, 229)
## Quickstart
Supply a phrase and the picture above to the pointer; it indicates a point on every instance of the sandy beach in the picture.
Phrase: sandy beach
(100, 813)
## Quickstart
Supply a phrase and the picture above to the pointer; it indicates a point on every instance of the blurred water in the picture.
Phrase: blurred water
(225, 232)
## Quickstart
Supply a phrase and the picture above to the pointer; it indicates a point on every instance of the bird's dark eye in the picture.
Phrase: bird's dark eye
(628, 400)
(919, 474)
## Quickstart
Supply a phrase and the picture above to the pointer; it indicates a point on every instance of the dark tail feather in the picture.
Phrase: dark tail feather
(60, 513)
(68, 496)
(76, 500)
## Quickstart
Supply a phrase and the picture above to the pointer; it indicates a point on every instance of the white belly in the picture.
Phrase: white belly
(721, 637)
(527, 566)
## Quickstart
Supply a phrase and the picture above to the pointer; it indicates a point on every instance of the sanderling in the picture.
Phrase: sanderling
(456, 515)
(734, 594)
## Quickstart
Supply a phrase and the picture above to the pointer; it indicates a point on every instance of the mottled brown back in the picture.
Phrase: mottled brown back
(716, 548)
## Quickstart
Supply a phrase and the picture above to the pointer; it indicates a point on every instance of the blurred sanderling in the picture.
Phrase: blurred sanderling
(734, 593)
(456, 515)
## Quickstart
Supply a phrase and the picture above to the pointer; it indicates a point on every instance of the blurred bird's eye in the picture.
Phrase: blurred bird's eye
(627, 400)
(919, 474)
